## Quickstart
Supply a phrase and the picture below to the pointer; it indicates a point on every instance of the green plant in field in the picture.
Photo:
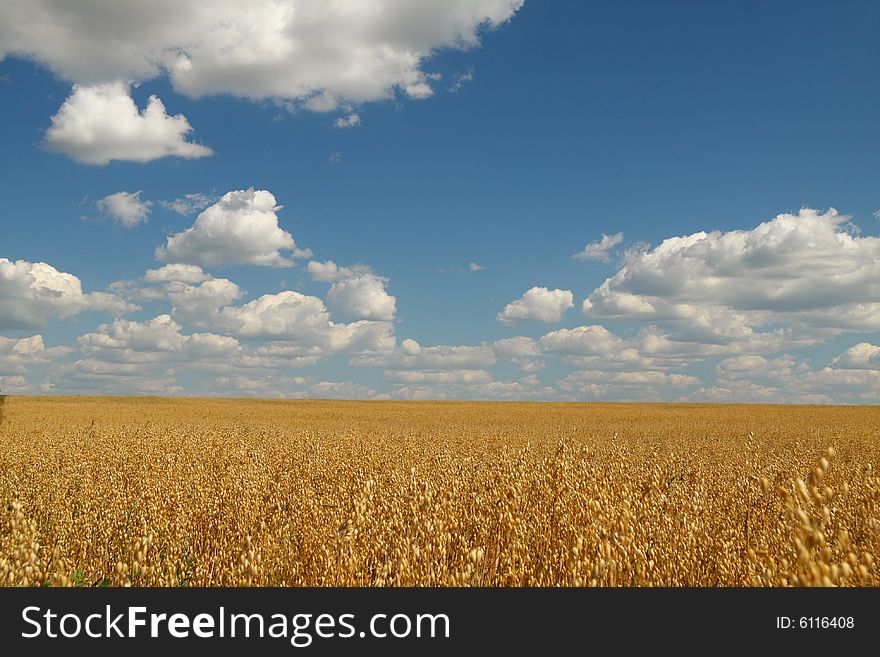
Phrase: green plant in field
(78, 578)
(186, 567)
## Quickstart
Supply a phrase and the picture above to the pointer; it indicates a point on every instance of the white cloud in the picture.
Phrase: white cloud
(285, 314)
(527, 387)
(304, 321)
(537, 304)
(419, 90)
(529, 365)
(176, 273)
(863, 356)
(740, 392)
(125, 208)
(349, 121)
(316, 53)
(628, 386)
(600, 249)
(475, 267)
(195, 295)
(124, 341)
(342, 390)
(647, 378)
(144, 358)
(459, 79)
(150, 356)
(31, 293)
(363, 297)
(330, 272)
(199, 303)
(188, 203)
(356, 291)
(809, 269)
(582, 340)
(100, 123)
(17, 356)
(860, 386)
(783, 369)
(240, 228)
(438, 376)
(410, 354)
(517, 347)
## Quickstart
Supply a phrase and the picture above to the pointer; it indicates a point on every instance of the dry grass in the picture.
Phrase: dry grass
(151, 492)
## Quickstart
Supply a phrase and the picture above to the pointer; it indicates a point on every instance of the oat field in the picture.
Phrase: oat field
(187, 492)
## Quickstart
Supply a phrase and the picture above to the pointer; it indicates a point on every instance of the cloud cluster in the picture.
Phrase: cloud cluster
(125, 208)
(721, 316)
(100, 123)
(811, 270)
(356, 292)
(409, 354)
(32, 293)
(314, 54)
(863, 356)
(600, 250)
(297, 49)
(850, 377)
(241, 228)
(537, 304)
(17, 356)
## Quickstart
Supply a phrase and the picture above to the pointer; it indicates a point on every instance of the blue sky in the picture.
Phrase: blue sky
(490, 142)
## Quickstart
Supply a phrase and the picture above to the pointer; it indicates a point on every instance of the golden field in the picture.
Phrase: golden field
(198, 492)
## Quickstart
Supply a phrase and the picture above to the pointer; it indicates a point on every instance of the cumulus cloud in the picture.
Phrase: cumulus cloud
(812, 269)
(411, 355)
(363, 297)
(863, 356)
(176, 273)
(150, 357)
(315, 53)
(17, 356)
(144, 357)
(851, 377)
(330, 272)
(753, 367)
(31, 293)
(625, 386)
(288, 313)
(342, 390)
(195, 296)
(600, 249)
(582, 340)
(438, 376)
(241, 228)
(100, 123)
(304, 321)
(527, 387)
(356, 292)
(293, 387)
(517, 347)
(537, 304)
(199, 303)
(125, 341)
(125, 208)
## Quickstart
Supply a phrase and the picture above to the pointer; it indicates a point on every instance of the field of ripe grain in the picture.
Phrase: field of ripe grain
(186, 492)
